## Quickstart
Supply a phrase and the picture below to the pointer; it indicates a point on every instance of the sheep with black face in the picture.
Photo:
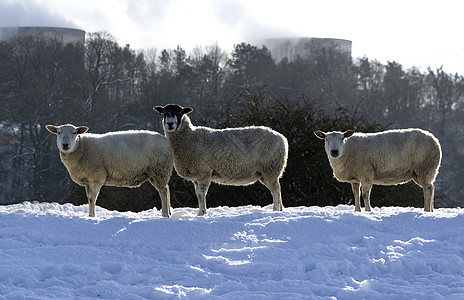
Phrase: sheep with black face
(231, 156)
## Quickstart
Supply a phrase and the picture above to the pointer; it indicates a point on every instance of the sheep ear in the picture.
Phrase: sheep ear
(320, 134)
(159, 109)
(82, 129)
(186, 110)
(53, 129)
(348, 133)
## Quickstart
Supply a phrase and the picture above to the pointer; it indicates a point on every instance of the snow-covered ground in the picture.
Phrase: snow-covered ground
(55, 251)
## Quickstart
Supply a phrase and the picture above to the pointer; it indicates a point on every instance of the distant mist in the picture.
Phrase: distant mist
(148, 23)
(235, 15)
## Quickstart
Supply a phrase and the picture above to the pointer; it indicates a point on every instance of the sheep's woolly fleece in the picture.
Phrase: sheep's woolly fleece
(56, 251)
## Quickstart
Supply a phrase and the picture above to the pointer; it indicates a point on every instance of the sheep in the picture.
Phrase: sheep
(122, 159)
(386, 158)
(231, 156)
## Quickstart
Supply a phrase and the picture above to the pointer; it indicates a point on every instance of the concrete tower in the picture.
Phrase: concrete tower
(67, 35)
(291, 47)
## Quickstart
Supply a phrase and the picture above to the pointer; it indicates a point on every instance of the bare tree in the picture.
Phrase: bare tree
(206, 75)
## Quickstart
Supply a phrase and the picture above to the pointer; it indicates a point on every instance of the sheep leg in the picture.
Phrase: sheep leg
(165, 201)
(429, 190)
(92, 191)
(201, 189)
(356, 187)
(274, 187)
(366, 195)
(163, 191)
(277, 196)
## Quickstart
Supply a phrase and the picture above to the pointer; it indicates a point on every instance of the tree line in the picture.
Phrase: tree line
(110, 87)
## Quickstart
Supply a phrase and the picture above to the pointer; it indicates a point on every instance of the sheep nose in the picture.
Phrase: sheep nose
(334, 153)
(65, 146)
(170, 124)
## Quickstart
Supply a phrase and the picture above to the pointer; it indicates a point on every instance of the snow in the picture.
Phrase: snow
(49, 250)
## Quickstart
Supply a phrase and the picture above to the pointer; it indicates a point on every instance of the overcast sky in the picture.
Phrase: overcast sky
(418, 33)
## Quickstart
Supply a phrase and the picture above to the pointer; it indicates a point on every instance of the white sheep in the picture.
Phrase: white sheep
(123, 159)
(386, 158)
(232, 156)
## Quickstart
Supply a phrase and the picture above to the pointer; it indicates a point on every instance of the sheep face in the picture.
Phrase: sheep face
(172, 116)
(334, 141)
(66, 136)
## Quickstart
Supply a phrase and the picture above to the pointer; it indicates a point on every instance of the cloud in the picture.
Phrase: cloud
(149, 23)
(30, 13)
(146, 12)
(238, 17)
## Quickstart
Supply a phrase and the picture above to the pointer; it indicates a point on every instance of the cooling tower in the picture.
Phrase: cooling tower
(291, 47)
(66, 35)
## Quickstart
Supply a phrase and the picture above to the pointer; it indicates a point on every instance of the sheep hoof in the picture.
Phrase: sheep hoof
(201, 213)
(278, 208)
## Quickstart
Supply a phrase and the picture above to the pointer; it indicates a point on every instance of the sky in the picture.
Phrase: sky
(420, 33)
